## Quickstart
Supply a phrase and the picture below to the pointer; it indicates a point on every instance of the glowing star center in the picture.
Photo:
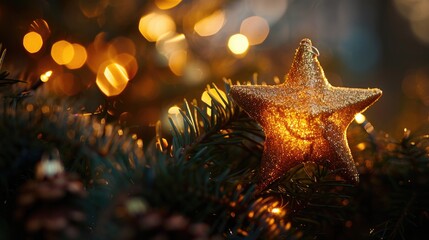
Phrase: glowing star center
(291, 124)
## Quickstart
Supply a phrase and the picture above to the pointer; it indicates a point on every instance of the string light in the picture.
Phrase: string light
(361, 146)
(360, 118)
(276, 210)
(49, 167)
(139, 143)
(45, 76)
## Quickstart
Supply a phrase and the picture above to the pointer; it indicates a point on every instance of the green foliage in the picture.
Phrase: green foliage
(206, 171)
(4, 80)
(403, 172)
(317, 203)
(227, 143)
(96, 151)
(217, 139)
(316, 198)
(209, 169)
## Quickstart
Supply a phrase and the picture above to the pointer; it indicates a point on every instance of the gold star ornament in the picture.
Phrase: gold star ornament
(305, 118)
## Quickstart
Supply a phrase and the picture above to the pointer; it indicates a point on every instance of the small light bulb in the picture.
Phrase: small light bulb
(360, 118)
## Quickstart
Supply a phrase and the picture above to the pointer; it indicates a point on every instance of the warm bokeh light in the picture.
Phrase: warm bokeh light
(177, 62)
(174, 110)
(136, 206)
(62, 52)
(256, 29)
(361, 146)
(238, 44)
(98, 52)
(360, 118)
(116, 74)
(196, 72)
(276, 210)
(171, 43)
(417, 13)
(100, 43)
(47, 168)
(414, 10)
(32, 42)
(166, 4)
(174, 48)
(210, 25)
(177, 118)
(155, 25)
(271, 10)
(421, 30)
(129, 62)
(112, 79)
(121, 45)
(215, 94)
(288, 225)
(79, 57)
(415, 85)
(120, 50)
(45, 76)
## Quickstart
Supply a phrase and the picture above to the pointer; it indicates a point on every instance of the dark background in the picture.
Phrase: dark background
(368, 43)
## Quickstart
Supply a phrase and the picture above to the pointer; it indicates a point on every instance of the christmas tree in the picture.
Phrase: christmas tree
(295, 159)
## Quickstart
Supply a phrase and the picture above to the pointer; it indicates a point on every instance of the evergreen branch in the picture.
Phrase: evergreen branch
(4, 81)
(222, 128)
(199, 159)
(398, 228)
(316, 199)
(92, 149)
(8, 81)
(398, 186)
(195, 191)
(3, 55)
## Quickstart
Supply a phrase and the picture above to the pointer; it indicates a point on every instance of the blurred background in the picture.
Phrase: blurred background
(136, 59)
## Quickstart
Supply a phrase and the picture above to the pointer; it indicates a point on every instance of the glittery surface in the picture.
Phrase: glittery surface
(305, 118)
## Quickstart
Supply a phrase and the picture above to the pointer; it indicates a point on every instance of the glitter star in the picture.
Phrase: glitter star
(305, 118)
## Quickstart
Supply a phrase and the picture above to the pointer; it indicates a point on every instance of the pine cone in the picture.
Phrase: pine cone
(47, 206)
(135, 221)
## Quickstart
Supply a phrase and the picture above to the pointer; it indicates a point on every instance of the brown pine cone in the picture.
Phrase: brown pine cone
(135, 221)
(47, 207)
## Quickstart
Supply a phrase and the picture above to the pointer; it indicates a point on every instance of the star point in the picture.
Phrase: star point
(304, 118)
